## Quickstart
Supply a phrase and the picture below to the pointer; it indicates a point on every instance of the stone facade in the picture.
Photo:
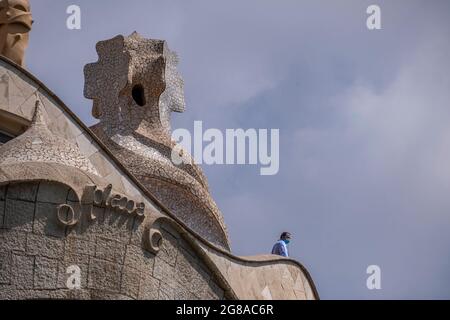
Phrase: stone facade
(108, 200)
(36, 250)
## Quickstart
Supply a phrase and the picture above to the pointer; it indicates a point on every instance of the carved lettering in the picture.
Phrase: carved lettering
(116, 201)
(94, 196)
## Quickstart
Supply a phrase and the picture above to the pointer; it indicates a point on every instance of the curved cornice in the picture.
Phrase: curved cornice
(191, 233)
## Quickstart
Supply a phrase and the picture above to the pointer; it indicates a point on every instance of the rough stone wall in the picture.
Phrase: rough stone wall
(177, 200)
(264, 277)
(35, 251)
(18, 97)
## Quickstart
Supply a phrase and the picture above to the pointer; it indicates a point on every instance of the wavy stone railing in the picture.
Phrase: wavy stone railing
(262, 277)
(119, 253)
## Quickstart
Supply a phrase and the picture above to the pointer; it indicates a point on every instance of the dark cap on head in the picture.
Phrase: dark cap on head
(285, 235)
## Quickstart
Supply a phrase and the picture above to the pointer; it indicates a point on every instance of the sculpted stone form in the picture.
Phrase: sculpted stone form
(38, 144)
(15, 25)
(135, 86)
(113, 203)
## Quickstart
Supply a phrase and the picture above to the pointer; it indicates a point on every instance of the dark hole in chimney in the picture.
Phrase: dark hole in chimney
(138, 94)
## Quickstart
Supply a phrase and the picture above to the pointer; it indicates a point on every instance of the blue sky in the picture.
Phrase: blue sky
(363, 116)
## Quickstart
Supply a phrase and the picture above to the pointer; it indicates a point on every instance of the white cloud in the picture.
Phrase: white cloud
(367, 175)
(402, 129)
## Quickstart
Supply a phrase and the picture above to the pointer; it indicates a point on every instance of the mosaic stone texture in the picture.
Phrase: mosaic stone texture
(38, 144)
(134, 87)
(36, 252)
(58, 163)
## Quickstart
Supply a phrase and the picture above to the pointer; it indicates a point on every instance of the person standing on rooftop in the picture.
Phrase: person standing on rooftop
(280, 247)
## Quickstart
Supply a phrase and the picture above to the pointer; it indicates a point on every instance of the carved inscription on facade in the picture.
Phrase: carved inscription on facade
(100, 197)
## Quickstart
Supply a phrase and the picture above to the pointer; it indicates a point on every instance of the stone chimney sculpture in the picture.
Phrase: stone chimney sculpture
(135, 86)
(104, 213)
(15, 25)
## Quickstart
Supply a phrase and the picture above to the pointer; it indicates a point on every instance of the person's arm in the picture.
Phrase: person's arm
(283, 250)
(275, 249)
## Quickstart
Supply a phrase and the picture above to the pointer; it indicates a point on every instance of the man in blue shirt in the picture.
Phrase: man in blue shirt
(280, 247)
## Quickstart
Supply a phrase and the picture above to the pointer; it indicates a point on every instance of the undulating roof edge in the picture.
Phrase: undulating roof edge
(266, 259)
